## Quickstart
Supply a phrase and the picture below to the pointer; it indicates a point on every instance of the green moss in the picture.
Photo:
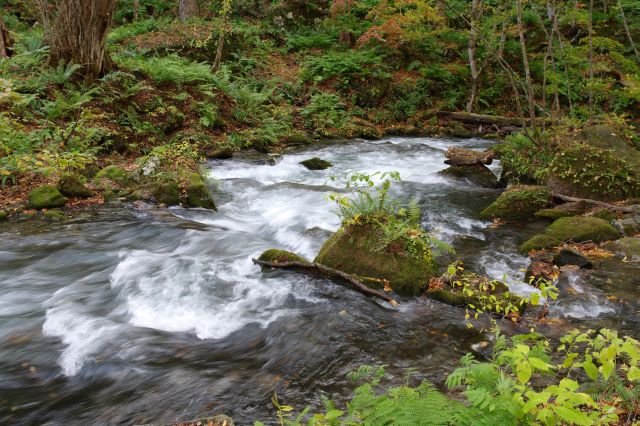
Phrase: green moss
(538, 242)
(113, 173)
(54, 214)
(605, 214)
(518, 202)
(563, 210)
(165, 190)
(46, 197)
(72, 185)
(628, 247)
(281, 256)
(197, 192)
(4, 215)
(354, 250)
(577, 229)
(582, 228)
(316, 163)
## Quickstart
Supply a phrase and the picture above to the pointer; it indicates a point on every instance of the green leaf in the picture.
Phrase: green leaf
(538, 364)
(591, 369)
(633, 374)
(573, 416)
(523, 372)
(333, 414)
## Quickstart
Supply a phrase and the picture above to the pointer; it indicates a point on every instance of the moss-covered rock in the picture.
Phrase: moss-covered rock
(627, 247)
(113, 173)
(4, 215)
(54, 214)
(477, 174)
(297, 138)
(281, 256)
(316, 163)
(72, 185)
(356, 250)
(563, 210)
(605, 214)
(46, 197)
(223, 152)
(577, 229)
(165, 190)
(518, 202)
(197, 193)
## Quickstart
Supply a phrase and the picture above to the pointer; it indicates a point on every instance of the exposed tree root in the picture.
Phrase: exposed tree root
(608, 206)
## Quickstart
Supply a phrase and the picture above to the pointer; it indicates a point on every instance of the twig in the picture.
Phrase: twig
(330, 272)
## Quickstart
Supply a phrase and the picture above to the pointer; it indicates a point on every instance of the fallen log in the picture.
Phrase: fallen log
(331, 273)
(467, 157)
(608, 206)
(498, 121)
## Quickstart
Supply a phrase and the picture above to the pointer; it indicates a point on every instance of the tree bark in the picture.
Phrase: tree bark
(5, 40)
(626, 29)
(188, 9)
(331, 273)
(224, 15)
(591, 56)
(136, 9)
(608, 206)
(476, 8)
(76, 32)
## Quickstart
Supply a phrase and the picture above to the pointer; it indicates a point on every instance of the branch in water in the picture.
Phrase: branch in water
(329, 272)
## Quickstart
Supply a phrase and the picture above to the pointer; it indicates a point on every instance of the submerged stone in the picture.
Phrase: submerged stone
(568, 256)
(355, 249)
(316, 163)
(518, 202)
(46, 197)
(54, 214)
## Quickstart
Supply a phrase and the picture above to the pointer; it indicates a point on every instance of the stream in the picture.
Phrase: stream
(123, 315)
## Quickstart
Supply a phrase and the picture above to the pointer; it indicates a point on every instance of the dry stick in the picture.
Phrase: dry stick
(626, 29)
(329, 272)
(594, 202)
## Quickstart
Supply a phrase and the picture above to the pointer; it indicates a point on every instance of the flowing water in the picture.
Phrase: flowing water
(123, 315)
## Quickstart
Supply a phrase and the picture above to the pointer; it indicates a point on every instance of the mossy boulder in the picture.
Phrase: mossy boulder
(478, 174)
(281, 256)
(223, 152)
(54, 214)
(4, 215)
(627, 247)
(563, 210)
(165, 190)
(297, 138)
(518, 202)
(115, 174)
(72, 185)
(316, 163)
(46, 197)
(197, 193)
(355, 249)
(577, 229)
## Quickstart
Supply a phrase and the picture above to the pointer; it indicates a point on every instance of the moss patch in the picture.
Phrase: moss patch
(113, 173)
(46, 197)
(563, 210)
(354, 250)
(197, 193)
(518, 202)
(281, 256)
(72, 185)
(577, 229)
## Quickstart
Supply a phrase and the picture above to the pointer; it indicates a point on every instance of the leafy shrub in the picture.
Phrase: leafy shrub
(169, 69)
(309, 39)
(324, 111)
(348, 66)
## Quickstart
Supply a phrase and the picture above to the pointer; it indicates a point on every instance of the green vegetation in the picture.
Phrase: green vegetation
(526, 381)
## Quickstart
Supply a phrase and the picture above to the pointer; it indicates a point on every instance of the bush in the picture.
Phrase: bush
(324, 111)
(348, 66)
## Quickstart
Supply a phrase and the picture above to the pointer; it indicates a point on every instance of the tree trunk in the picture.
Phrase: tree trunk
(5, 40)
(226, 10)
(476, 8)
(591, 56)
(188, 9)
(525, 64)
(626, 30)
(76, 32)
(136, 9)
